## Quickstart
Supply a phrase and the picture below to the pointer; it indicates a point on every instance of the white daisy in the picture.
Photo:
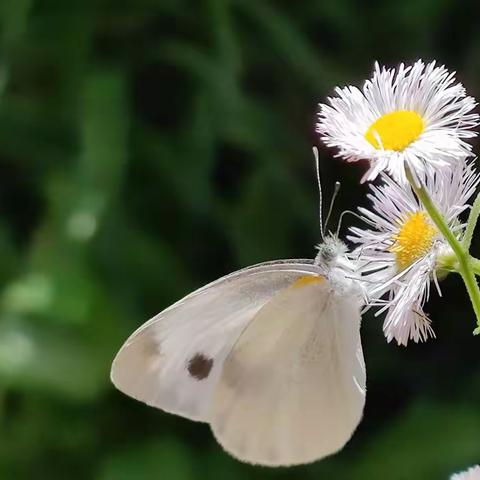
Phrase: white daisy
(470, 474)
(416, 114)
(402, 250)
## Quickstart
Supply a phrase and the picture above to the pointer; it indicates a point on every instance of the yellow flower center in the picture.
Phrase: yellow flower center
(413, 240)
(395, 130)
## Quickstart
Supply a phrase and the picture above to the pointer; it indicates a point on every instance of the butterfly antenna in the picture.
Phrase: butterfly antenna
(332, 202)
(317, 167)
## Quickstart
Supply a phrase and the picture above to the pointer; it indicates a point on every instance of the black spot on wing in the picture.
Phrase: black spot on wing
(199, 366)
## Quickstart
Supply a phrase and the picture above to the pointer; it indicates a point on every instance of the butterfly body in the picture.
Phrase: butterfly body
(270, 356)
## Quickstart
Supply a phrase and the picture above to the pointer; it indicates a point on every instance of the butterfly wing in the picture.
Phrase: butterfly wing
(292, 390)
(174, 360)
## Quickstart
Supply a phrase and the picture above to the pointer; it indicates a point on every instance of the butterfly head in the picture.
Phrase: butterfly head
(339, 268)
(330, 251)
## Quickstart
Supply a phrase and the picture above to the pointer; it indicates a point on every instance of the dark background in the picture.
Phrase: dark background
(150, 146)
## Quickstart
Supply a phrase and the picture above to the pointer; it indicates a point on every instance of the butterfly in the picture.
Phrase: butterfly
(269, 356)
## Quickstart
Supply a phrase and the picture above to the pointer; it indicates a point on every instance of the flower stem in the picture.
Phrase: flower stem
(472, 222)
(465, 261)
(475, 263)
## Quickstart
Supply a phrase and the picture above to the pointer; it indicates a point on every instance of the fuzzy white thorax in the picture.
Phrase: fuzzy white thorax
(340, 268)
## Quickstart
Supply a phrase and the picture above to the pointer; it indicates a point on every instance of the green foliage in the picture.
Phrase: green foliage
(150, 146)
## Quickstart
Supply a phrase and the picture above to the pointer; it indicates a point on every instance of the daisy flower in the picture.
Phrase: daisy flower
(471, 474)
(417, 115)
(402, 252)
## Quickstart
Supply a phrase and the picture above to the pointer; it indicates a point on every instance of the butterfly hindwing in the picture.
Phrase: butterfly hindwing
(292, 389)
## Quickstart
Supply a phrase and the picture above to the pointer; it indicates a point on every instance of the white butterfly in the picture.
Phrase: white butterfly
(270, 356)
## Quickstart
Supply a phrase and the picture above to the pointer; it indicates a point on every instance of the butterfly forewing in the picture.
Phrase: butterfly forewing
(174, 361)
(292, 389)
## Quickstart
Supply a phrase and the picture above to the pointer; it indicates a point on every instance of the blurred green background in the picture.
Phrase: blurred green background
(150, 146)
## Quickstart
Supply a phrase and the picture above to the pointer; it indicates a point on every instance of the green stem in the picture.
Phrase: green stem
(465, 267)
(2, 407)
(475, 263)
(472, 222)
